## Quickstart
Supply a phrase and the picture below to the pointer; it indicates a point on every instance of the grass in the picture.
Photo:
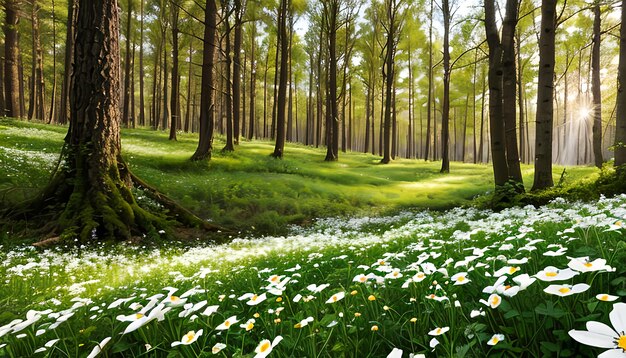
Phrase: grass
(252, 192)
(341, 287)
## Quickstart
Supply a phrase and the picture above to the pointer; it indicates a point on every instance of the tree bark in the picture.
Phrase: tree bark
(142, 113)
(205, 142)
(282, 85)
(175, 92)
(445, 116)
(11, 60)
(620, 130)
(253, 67)
(545, 96)
(595, 88)
(239, 10)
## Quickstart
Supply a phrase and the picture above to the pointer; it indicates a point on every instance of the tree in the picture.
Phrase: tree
(445, 116)
(205, 142)
(620, 133)
(545, 97)
(175, 92)
(11, 59)
(281, 100)
(127, 62)
(36, 108)
(595, 87)
(64, 108)
(91, 189)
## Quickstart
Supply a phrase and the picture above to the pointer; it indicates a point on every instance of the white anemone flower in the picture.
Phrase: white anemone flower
(506, 270)
(433, 343)
(438, 331)
(227, 323)
(495, 339)
(218, 348)
(493, 301)
(524, 281)
(98, 348)
(460, 278)
(336, 297)
(582, 264)
(360, 278)
(606, 297)
(265, 347)
(552, 273)
(566, 290)
(188, 338)
(210, 310)
(601, 335)
(315, 288)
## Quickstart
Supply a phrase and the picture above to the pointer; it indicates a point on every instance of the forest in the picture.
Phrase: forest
(333, 178)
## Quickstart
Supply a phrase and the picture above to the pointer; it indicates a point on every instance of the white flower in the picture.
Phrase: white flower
(188, 338)
(460, 278)
(493, 301)
(606, 297)
(566, 290)
(506, 270)
(601, 335)
(315, 288)
(210, 310)
(217, 348)
(582, 264)
(438, 331)
(98, 348)
(265, 347)
(336, 297)
(360, 278)
(495, 339)
(253, 299)
(248, 325)
(524, 281)
(227, 323)
(433, 343)
(552, 273)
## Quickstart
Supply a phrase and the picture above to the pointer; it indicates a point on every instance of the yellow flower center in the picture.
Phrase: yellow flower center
(274, 278)
(249, 326)
(254, 297)
(396, 273)
(381, 262)
(227, 323)
(564, 290)
(507, 287)
(189, 336)
(495, 340)
(215, 350)
(362, 279)
(138, 315)
(354, 292)
(621, 342)
(431, 296)
(513, 270)
(374, 328)
(461, 278)
(420, 275)
(495, 300)
(265, 346)
(588, 264)
(297, 325)
(279, 299)
(334, 298)
(357, 314)
(551, 274)
(604, 298)
(174, 298)
(619, 223)
(438, 331)
(371, 298)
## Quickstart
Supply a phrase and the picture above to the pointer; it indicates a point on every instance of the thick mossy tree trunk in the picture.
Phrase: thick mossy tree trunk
(90, 195)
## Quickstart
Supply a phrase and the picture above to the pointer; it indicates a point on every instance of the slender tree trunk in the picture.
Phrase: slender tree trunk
(142, 113)
(228, 95)
(620, 122)
(430, 82)
(267, 57)
(205, 143)
(167, 116)
(475, 157)
(175, 94)
(595, 89)
(545, 96)
(154, 113)
(188, 116)
(237, 71)
(521, 97)
(282, 89)
(37, 104)
(11, 60)
(445, 116)
(276, 77)
(253, 68)
(368, 113)
(53, 99)
(126, 100)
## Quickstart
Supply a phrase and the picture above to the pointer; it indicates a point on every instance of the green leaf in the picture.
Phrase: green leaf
(592, 306)
(550, 346)
(511, 314)
(549, 310)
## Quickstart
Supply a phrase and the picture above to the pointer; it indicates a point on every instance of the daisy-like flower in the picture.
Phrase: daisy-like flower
(506, 270)
(336, 297)
(98, 348)
(606, 297)
(248, 325)
(438, 331)
(560, 252)
(460, 278)
(210, 310)
(495, 339)
(601, 335)
(315, 288)
(174, 301)
(253, 299)
(305, 322)
(582, 264)
(566, 290)
(227, 323)
(360, 278)
(265, 347)
(218, 348)
(394, 274)
(524, 281)
(493, 301)
(188, 338)
(552, 273)
(507, 290)
(418, 277)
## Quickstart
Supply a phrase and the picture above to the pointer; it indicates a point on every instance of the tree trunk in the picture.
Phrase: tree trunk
(595, 89)
(188, 116)
(11, 60)
(253, 68)
(142, 113)
(445, 116)
(38, 88)
(498, 145)
(282, 86)
(52, 113)
(205, 143)
(237, 70)
(229, 147)
(63, 114)
(175, 94)
(521, 97)
(620, 123)
(126, 100)
(545, 96)
(332, 123)
(430, 82)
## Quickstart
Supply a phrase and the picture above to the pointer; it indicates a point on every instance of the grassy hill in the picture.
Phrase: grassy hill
(251, 191)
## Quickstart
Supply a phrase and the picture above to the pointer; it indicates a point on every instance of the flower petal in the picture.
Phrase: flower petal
(592, 339)
(618, 317)
(601, 328)
(612, 353)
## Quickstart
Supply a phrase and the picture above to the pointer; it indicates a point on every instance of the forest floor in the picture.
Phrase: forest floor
(253, 192)
(456, 282)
